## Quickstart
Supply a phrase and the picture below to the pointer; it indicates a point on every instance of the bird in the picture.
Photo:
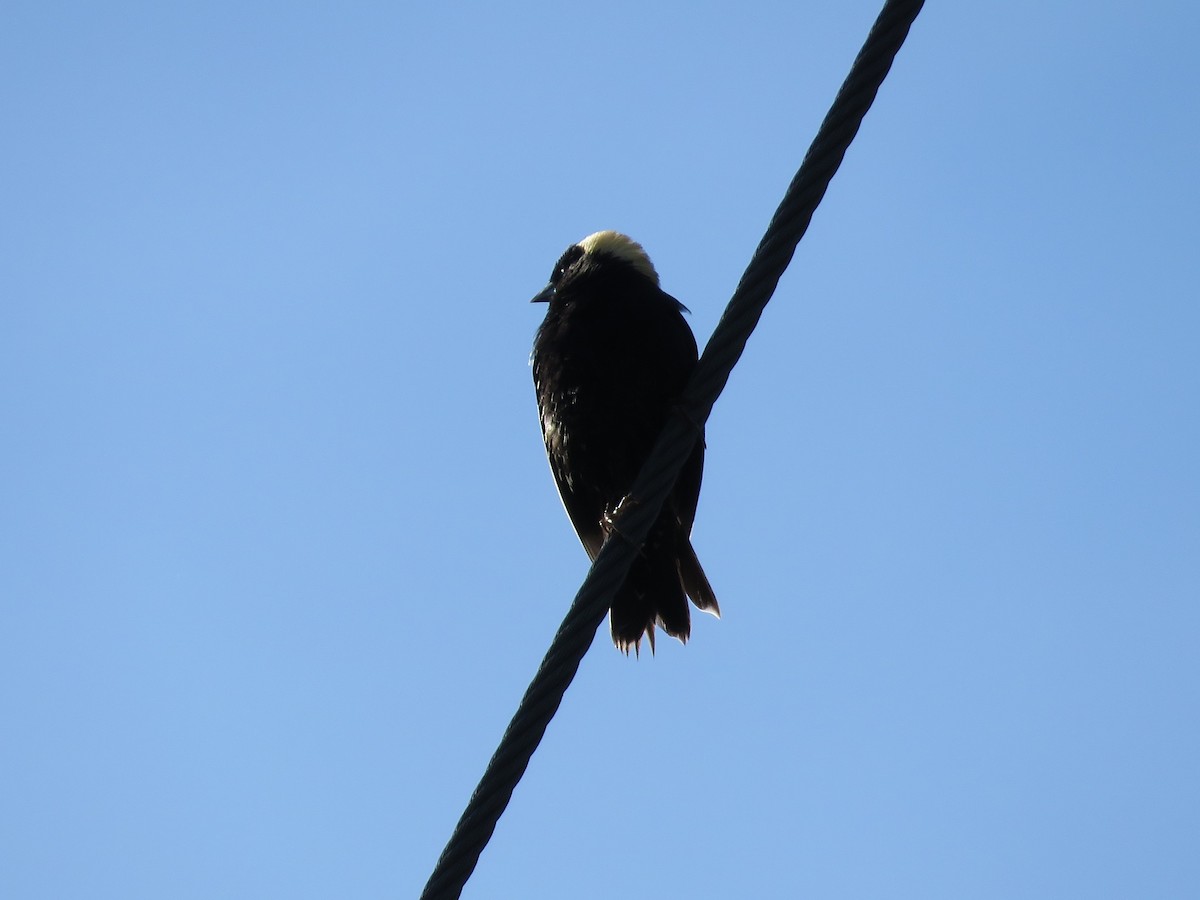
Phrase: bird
(610, 360)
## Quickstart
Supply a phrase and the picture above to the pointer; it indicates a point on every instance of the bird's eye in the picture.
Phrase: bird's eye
(565, 262)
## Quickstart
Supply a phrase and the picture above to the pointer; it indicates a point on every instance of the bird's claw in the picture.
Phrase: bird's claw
(608, 521)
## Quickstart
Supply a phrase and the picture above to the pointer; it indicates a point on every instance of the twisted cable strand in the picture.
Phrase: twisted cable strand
(658, 475)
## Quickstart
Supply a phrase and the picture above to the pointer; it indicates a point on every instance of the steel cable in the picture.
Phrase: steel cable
(658, 475)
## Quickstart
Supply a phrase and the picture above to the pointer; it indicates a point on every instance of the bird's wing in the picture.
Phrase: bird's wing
(582, 512)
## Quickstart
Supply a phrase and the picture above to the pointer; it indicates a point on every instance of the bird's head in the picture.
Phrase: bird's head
(597, 251)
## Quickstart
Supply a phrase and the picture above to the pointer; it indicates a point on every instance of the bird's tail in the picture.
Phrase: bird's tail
(656, 593)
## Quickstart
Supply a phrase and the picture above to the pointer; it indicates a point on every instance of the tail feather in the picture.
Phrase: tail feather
(628, 617)
(695, 582)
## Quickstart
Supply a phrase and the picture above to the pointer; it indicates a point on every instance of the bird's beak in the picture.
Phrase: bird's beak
(546, 295)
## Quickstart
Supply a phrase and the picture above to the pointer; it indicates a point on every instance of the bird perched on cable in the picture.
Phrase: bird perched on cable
(609, 361)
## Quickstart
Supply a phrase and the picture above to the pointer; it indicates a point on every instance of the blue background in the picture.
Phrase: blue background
(279, 550)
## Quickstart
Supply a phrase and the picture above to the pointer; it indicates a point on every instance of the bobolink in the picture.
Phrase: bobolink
(609, 361)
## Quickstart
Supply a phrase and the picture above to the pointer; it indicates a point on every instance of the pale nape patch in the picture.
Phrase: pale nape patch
(623, 248)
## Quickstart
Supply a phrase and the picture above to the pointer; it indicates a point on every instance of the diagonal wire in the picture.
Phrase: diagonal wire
(657, 477)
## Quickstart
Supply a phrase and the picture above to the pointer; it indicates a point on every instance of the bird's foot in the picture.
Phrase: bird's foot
(608, 521)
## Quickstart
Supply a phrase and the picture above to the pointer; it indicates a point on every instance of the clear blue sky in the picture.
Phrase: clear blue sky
(280, 551)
